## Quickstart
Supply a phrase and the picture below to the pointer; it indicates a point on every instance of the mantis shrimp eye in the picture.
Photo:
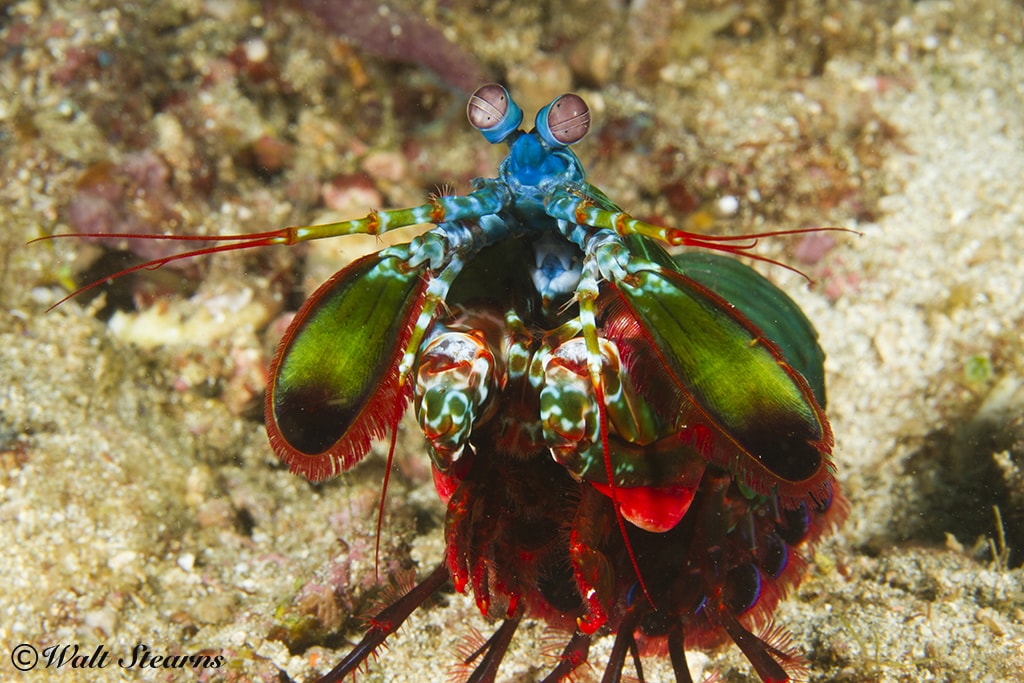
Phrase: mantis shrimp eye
(492, 112)
(565, 121)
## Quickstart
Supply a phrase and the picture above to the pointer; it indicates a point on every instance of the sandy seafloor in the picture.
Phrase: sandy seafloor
(139, 501)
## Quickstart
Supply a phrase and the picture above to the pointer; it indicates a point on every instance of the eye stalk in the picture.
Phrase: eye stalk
(492, 112)
(563, 122)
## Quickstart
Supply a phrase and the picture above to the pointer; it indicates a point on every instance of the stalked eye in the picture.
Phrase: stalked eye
(565, 121)
(493, 113)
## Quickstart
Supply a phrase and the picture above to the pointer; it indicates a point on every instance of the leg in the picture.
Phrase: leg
(385, 623)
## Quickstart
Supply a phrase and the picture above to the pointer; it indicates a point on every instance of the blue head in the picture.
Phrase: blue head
(541, 158)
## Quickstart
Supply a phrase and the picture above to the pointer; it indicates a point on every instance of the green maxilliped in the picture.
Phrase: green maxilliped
(341, 351)
(729, 368)
(765, 305)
